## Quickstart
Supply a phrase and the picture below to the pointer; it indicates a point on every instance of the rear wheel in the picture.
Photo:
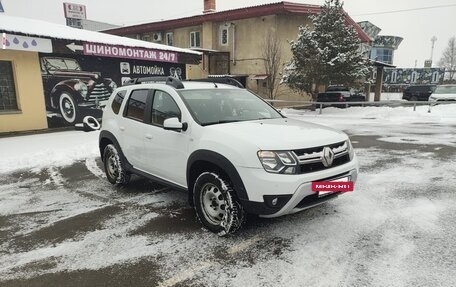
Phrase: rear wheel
(114, 166)
(216, 205)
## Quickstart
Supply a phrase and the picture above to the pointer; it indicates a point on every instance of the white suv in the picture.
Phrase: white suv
(229, 149)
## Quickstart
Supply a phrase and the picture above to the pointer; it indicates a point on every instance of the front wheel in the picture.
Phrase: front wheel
(116, 172)
(216, 206)
(68, 108)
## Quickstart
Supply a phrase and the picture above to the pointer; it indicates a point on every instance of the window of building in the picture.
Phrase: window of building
(435, 77)
(195, 39)
(382, 55)
(414, 77)
(224, 35)
(164, 107)
(137, 105)
(117, 102)
(169, 39)
(8, 100)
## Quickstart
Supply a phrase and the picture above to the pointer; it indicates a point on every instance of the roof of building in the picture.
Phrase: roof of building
(25, 26)
(230, 15)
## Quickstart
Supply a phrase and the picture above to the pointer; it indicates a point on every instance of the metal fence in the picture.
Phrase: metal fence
(392, 103)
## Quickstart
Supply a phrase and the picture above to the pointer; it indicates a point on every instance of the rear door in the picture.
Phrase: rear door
(131, 127)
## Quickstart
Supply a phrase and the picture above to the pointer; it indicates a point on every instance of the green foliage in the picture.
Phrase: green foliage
(328, 53)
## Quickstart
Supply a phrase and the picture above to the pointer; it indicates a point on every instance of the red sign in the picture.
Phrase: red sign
(74, 11)
(115, 51)
(334, 186)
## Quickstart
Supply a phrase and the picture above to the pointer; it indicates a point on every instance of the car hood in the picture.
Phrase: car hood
(279, 134)
(77, 74)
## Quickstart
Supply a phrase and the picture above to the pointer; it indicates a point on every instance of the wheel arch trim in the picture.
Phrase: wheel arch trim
(221, 162)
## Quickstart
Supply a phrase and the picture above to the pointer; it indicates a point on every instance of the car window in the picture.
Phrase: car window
(445, 90)
(164, 107)
(137, 105)
(117, 101)
(215, 106)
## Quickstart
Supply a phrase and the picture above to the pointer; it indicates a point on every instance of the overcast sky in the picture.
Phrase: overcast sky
(417, 27)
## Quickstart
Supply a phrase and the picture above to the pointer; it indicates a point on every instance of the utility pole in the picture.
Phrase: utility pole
(433, 40)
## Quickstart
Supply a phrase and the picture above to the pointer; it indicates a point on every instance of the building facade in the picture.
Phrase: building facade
(233, 41)
(52, 75)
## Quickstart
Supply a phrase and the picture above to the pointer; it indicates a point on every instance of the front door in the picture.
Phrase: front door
(166, 150)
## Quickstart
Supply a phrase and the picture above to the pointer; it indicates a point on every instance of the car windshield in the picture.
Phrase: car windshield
(53, 64)
(445, 90)
(216, 106)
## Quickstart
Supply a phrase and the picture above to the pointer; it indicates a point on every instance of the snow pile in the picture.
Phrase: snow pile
(44, 150)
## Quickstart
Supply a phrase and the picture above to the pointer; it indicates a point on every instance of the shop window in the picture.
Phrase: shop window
(8, 100)
(137, 105)
(169, 39)
(195, 40)
(146, 38)
(224, 35)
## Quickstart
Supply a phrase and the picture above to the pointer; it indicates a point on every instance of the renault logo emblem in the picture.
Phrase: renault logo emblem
(328, 157)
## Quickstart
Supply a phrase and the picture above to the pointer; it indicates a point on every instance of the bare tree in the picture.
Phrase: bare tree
(448, 59)
(272, 55)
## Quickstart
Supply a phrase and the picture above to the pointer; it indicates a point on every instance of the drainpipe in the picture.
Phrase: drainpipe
(234, 43)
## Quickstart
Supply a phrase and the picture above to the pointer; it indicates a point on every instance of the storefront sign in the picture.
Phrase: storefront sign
(74, 11)
(115, 51)
(24, 43)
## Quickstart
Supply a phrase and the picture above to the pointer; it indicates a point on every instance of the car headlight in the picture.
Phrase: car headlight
(278, 161)
(81, 87)
(351, 151)
(113, 85)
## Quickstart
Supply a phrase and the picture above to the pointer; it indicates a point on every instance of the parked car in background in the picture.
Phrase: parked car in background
(73, 92)
(444, 93)
(340, 94)
(418, 92)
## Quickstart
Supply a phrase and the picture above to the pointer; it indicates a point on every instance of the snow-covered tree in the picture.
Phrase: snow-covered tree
(448, 60)
(328, 53)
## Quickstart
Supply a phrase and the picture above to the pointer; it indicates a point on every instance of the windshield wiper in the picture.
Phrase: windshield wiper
(220, 122)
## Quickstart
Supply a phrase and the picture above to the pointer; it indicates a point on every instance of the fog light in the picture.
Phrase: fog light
(276, 201)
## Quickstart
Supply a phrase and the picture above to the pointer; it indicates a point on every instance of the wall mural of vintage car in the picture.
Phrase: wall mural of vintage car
(77, 86)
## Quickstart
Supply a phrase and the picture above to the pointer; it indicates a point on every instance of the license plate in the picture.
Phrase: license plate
(325, 193)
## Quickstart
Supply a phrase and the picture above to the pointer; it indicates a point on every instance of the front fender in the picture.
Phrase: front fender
(223, 163)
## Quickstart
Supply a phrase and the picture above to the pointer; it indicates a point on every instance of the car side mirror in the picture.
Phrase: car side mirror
(174, 124)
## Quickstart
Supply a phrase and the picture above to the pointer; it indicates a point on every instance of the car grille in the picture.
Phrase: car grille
(311, 159)
(100, 92)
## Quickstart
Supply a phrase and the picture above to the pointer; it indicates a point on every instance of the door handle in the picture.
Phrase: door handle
(149, 137)
(121, 128)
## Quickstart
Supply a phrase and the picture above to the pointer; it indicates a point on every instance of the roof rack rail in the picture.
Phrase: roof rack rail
(221, 80)
(171, 81)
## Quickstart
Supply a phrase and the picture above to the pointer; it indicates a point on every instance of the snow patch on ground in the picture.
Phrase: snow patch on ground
(44, 150)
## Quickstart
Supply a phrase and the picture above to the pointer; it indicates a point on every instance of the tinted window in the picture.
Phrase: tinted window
(117, 102)
(137, 105)
(164, 107)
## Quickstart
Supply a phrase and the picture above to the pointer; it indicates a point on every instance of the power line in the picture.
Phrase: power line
(406, 10)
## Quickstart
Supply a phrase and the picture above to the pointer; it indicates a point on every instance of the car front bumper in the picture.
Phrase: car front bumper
(296, 188)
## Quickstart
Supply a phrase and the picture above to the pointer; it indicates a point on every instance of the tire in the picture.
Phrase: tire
(216, 205)
(115, 169)
(68, 108)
